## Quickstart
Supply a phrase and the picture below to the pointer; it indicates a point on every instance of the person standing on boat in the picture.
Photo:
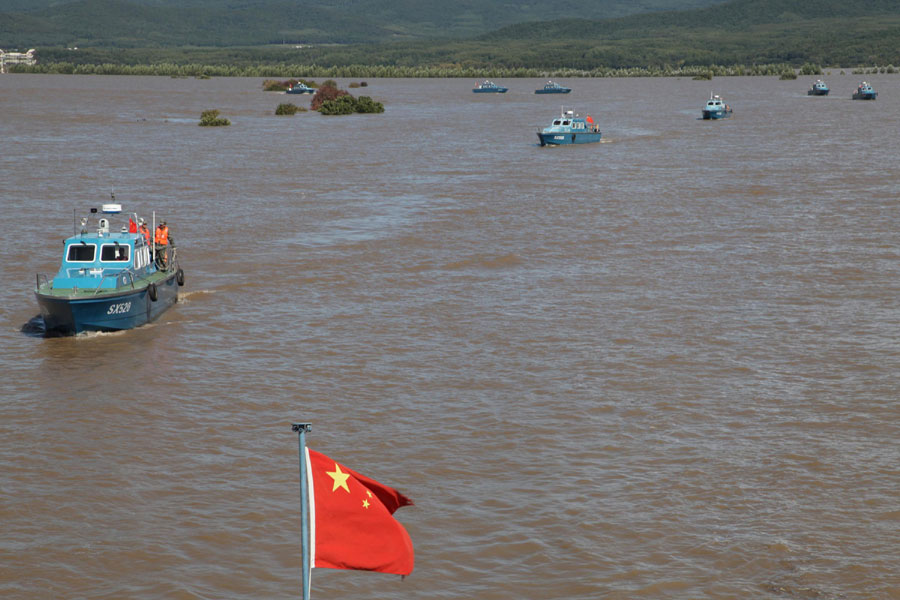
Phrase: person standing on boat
(144, 230)
(162, 241)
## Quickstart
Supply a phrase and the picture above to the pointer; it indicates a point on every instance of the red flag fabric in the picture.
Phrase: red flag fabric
(351, 520)
(589, 119)
(132, 226)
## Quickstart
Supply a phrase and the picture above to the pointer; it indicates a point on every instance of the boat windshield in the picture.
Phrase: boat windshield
(81, 253)
(114, 252)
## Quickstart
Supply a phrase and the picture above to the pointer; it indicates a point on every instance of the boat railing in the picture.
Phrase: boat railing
(38, 279)
(165, 260)
(126, 274)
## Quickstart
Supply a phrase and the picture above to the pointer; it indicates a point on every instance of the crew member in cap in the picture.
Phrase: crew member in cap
(162, 241)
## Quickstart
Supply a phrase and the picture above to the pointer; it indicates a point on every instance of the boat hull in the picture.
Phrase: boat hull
(817, 92)
(710, 115)
(497, 91)
(561, 91)
(115, 311)
(865, 96)
(568, 138)
(294, 91)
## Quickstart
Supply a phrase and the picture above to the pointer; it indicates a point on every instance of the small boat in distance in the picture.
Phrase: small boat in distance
(489, 87)
(300, 88)
(551, 87)
(818, 89)
(570, 128)
(716, 108)
(865, 92)
(110, 280)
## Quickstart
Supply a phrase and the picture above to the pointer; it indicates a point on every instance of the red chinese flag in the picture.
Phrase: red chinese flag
(589, 119)
(351, 522)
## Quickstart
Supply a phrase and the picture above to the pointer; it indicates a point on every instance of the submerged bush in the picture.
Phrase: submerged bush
(211, 118)
(327, 92)
(810, 69)
(270, 85)
(347, 105)
(707, 76)
(366, 105)
(287, 108)
(343, 105)
(329, 100)
(788, 75)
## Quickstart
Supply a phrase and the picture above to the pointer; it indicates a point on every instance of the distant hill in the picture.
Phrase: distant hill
(425, 33)
(739, 32)
(828, 32)
(155, 23)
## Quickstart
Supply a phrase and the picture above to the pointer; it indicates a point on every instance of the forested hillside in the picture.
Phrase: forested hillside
(738, 32)
(834, 32)
(150, 23)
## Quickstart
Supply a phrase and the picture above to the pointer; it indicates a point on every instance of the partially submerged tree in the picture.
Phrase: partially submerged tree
(328, 91)
(211, 118)
(329, 100)
(288, 108)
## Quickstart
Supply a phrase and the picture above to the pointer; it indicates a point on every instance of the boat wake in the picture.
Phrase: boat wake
(189, 296)
(35, 327)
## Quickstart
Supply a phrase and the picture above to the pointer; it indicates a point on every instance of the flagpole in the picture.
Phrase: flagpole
(302, 429)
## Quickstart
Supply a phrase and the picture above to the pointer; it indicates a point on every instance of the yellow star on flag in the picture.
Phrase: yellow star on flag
(365, 504)
(339, 477)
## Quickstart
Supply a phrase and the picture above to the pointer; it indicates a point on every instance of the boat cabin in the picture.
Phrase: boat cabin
(568, 121)
(103, 259)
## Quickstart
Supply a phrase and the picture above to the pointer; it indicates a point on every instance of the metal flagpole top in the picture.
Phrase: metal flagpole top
(302, 429)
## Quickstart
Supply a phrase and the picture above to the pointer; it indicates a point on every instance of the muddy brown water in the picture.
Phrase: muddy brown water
(663, 366)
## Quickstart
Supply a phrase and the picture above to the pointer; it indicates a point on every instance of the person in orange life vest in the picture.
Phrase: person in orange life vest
(145, 231)
(162, 234)
(162, 240)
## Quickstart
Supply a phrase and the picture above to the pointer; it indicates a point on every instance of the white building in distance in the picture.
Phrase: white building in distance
(16, 58)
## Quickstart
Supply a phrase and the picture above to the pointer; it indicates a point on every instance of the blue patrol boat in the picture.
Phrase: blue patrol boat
(716, 108)
(489, 87)
(865, 92)
(570, 128)
(818, 89)
(551, 87)
(109, 280)
(300, 88)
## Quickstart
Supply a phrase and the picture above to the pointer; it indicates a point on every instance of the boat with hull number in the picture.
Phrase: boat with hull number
(551, 87)
(570, 128)
(489, 87)
(109, 280)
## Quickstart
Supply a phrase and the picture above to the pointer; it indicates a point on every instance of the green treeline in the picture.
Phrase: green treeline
(352, 71)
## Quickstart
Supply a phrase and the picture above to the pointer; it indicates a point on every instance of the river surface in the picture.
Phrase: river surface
(662, 366)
